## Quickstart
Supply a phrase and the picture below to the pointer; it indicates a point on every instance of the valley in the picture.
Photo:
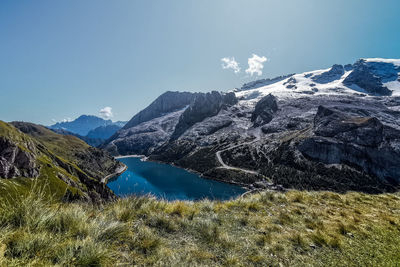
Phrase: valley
(319, 130)
(301, 169)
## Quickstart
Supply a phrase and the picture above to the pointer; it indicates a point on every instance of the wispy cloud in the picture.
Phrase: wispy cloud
(106, 112)
(256, 64)
(230, 63)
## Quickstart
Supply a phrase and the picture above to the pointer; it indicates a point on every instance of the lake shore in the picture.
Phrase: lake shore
(119, 171)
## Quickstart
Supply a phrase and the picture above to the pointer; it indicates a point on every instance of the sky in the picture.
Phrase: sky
(61, 59)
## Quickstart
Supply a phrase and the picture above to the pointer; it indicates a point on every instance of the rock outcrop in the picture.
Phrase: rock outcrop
(356, 141)
(365, 131)
(363, 76)
(16, 162)
(203, 106)
(264, 110)
(334, 73)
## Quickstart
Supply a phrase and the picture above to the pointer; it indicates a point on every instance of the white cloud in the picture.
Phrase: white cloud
(106, 112)
(256, 64)
(230, 63)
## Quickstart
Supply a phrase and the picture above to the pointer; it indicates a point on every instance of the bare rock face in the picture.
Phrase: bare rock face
(334, 73)
(15, 162)
(366, 131)
(365, 76)
(203, 106)
(355, 141)
(264, 110)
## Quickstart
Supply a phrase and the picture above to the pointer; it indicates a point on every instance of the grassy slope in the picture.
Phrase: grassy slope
(293, 228)
(52, 145)
(10, 188)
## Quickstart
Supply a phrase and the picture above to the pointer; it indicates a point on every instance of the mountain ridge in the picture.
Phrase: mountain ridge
(63, 165)
(271, 130)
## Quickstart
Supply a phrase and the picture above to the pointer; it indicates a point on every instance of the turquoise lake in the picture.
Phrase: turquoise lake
(168, 182)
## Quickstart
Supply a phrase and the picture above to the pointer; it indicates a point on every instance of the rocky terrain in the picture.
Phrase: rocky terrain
(335, 129)
(65, 166)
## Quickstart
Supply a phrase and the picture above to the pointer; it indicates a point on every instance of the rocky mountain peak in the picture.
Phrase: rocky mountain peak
(369, 77)
(167, 102)
(332, 74)
(203, 106)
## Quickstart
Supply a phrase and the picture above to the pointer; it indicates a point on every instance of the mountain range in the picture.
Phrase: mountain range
(332, 129)
(91, 129)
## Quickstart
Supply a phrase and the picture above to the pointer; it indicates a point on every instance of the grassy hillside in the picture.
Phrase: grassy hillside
(278, 229)
(68, 167)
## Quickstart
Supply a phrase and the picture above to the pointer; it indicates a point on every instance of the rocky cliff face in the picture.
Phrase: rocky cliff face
(335, 129)
(264, 110)
(331, 75)
(361, 142)
(203, 106)
(369, 77)
(65, 164)
(15, 162)
(152, 133)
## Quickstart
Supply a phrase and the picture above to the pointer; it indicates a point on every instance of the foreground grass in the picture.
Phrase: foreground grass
(293, 228)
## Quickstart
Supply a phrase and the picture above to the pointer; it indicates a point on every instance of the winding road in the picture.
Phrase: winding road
(120, 170)
(225, 166)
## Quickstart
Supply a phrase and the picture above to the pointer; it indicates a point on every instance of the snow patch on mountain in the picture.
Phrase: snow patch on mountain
(326, 82)
(395, 62)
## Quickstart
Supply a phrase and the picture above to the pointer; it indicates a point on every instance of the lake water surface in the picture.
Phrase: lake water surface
(168, 182)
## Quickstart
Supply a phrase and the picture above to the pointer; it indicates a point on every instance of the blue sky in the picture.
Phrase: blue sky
(61, 59)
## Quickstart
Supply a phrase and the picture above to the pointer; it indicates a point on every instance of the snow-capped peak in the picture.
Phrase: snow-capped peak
(361, 78)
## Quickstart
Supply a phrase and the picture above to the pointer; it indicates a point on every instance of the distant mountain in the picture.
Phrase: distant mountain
(104, 132)
(95, 142)
(331, 129)
(97, 136)
(91, 129)
(120, 123)
(82, 125)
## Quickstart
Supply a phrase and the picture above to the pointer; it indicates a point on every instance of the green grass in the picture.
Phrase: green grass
(266, 229)
(61, 160)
